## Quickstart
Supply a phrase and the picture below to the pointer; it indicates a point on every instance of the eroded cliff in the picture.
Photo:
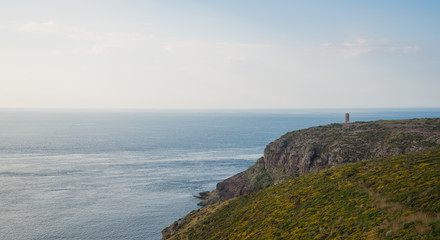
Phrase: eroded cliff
(316, 148)
(384, 198)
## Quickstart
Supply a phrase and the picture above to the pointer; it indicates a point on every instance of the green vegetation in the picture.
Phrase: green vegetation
(335, 144)
(257, 176)
(298, 152)
(388, 198)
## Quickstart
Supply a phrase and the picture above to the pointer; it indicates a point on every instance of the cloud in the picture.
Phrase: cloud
(325, 44)
(94, 44)
(38, 27)
(104, 43)
(355, 48)
(404, 49)
(55, 29)
(235, 58)
(348, 49)
(363, 46)
(99, 43)
(357, 43)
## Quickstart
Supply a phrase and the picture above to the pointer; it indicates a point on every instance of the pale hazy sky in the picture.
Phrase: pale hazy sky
(219, 54)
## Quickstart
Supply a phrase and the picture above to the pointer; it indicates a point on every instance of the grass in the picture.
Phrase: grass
(389, 198)
(353, 142)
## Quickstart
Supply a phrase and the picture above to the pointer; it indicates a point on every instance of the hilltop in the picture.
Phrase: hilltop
(375, 180)
(300, 152)
(393, 197)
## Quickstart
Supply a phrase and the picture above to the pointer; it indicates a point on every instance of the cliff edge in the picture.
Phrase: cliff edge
(299, 152)
(395, 197)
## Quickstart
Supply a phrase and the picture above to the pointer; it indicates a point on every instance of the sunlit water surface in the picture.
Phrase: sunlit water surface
(127, 175)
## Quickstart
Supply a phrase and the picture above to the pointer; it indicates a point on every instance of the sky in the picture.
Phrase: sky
(219, 54)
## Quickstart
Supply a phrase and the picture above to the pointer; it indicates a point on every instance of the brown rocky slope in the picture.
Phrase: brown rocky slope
(316, 148)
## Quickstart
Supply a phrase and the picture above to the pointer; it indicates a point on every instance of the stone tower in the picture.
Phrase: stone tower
(347, 118)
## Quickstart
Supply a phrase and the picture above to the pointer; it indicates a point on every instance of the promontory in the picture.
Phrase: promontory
(358, 180)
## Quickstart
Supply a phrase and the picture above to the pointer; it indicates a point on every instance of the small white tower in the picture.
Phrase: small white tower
(347, 118)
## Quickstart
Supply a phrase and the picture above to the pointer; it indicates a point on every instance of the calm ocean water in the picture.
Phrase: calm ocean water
(127, 175)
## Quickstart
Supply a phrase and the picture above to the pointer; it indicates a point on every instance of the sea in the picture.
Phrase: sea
(127, 174)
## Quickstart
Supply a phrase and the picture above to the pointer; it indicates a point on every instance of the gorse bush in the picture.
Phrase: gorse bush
(389, 198)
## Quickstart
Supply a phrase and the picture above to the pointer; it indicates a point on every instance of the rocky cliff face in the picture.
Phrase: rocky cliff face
(384, 198)
(300, 152)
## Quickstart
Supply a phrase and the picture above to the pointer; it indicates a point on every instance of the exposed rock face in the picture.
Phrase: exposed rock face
(172, 229)
(302, 151)
(254, 178)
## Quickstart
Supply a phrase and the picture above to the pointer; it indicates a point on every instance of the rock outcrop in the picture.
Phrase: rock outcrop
(384, 198)
(299, 152)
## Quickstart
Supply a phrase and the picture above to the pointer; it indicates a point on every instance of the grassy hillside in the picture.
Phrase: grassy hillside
(389, 198)
(298, 152)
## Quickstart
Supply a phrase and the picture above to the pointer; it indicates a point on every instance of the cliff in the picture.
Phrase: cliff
(299, 152)
(386, 198)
